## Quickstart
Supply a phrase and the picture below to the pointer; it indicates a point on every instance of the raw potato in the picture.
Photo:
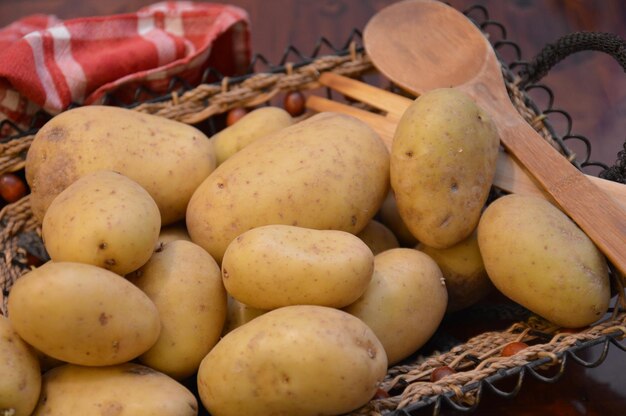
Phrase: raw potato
(297, 360)
(537, 256)
(121, 390)
(405, 302)
(279, 265)
(185, 284)
(391, 218)
(330, 171)
(171, 233)
(83, 314)
(378, 237)
(239, 314)
(104, 219)
(443, 161)
(20, 382)
(254, 125)
(463, 268)
(167, 158)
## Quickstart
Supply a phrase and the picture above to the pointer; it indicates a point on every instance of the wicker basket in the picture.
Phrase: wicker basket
(407, 387)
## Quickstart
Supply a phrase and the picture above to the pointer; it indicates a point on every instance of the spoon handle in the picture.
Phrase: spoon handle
(596, 213)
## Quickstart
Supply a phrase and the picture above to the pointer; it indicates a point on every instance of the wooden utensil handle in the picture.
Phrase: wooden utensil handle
(597, 214)
(511, 177)
(393, 104)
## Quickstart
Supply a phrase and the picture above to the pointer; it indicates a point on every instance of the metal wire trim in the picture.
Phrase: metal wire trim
(532, 368)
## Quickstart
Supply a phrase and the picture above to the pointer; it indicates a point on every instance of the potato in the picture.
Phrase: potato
(443, 161)
(122, 390)
(167, 158)
(538, 257)
(378, 237)
(330, 171)
(83, 314)
(464, 271)
(279, 265)
(171, 233)
(390, 217)
(104, 219)
(254, 125)
(20, 382)
(239, 314)
(297, 360)
(404, 303)
(185, 284)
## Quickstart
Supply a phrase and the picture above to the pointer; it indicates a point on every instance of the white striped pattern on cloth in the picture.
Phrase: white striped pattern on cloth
(35, 40)
(72, 71)
(59, 63)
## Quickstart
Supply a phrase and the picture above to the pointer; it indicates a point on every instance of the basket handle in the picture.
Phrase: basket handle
(553, 53)
(567, 45)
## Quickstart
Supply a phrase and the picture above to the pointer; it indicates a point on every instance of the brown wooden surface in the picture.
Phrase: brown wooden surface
(591, 86)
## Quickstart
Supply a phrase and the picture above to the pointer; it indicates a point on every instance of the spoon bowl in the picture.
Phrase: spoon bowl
(425, 53)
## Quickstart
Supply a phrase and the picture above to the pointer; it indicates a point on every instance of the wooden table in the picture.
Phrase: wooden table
(590, 86)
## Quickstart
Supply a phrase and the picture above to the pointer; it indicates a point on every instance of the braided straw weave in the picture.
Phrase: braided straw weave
(405, 384)
(485, 349)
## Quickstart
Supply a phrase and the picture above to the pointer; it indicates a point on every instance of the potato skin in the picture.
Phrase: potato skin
(185, 284)
(464, 271)
(167, 158)
(239, 314)
(83, 314)
(537, 256)
(122, 390)
(443, 161)
(378, 237)
(104, 219)
(254, 125)
(172, 232)
(390, 217)
(279, 265)
(404, 303)
(20, 382)
(330, 171)
(297, 360)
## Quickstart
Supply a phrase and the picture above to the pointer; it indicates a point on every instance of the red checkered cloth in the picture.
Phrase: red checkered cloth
(48, 64)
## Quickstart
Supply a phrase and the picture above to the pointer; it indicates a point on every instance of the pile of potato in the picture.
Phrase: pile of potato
(284, 265)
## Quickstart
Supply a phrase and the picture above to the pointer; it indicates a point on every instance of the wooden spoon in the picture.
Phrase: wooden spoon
(423, 44)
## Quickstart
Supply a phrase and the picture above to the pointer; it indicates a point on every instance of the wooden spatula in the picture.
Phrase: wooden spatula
(510, 176)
